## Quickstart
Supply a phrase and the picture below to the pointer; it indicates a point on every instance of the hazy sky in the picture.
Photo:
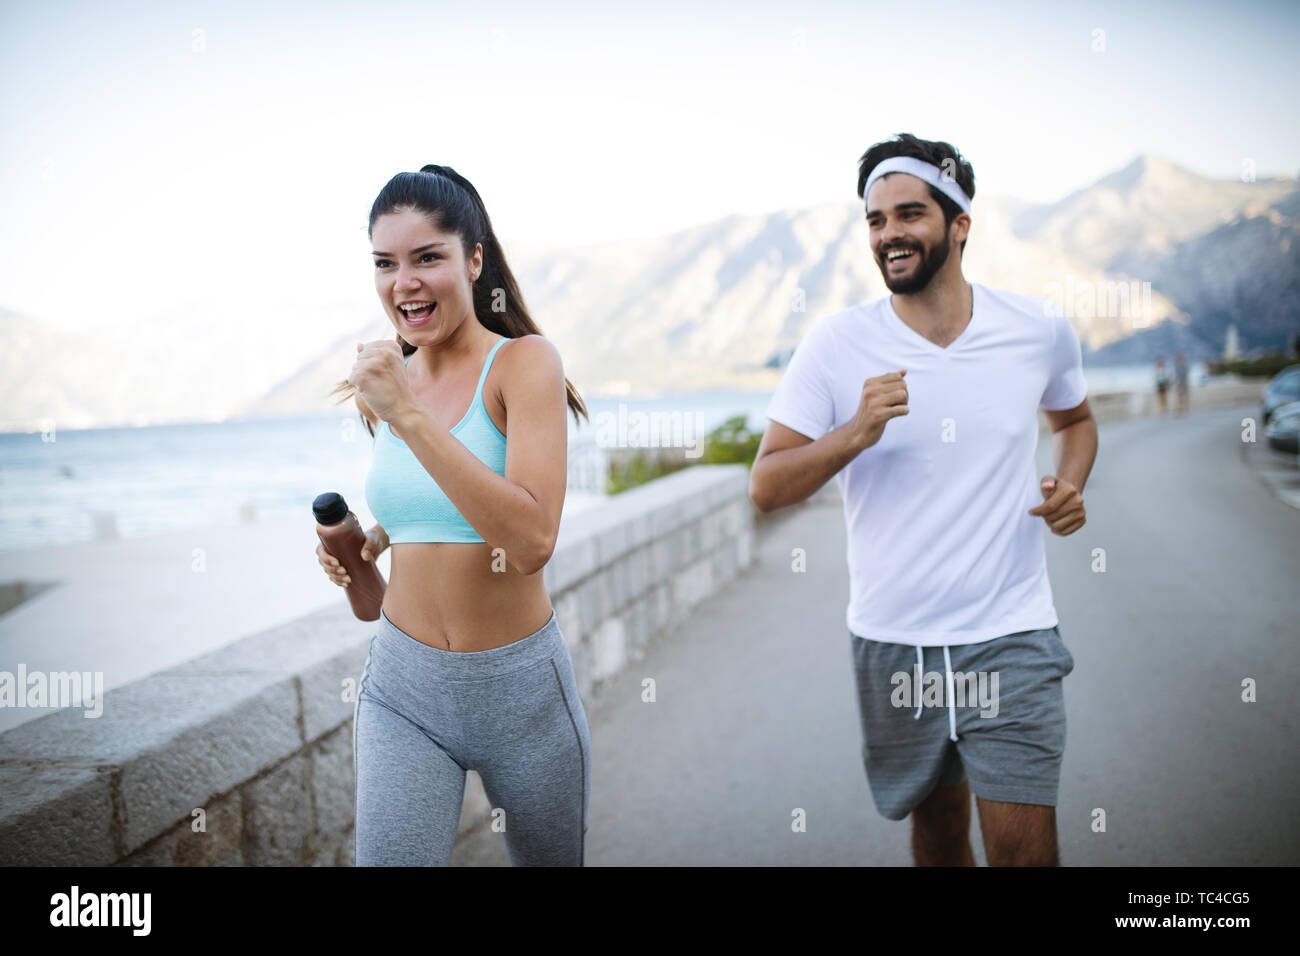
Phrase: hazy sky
(155, 153)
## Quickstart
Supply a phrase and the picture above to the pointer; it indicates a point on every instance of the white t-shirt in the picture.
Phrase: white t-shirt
(941, 548)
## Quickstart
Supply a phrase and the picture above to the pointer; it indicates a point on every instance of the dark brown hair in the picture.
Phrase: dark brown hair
(935, 152)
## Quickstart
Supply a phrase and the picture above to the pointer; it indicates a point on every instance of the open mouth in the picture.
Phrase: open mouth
(417, 316)
(900, 257)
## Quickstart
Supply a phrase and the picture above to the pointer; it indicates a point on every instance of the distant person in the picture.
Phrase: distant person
(1162, 383)
(923, 406)
(1180, 382)
(468, 669)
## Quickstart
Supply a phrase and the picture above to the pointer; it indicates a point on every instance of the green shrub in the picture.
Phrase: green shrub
(639, 468)
(729, 443)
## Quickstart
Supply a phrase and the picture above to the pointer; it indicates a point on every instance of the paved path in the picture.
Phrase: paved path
(755, 713)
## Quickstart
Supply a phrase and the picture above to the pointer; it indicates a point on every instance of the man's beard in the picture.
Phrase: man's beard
(915, 281)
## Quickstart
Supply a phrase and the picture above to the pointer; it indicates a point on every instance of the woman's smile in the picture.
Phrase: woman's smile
(417, 316)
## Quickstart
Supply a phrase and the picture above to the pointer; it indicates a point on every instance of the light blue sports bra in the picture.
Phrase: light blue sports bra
(404, 498)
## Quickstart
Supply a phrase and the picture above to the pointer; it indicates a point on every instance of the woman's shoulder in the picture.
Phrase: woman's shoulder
(525, 350)
(527, 361)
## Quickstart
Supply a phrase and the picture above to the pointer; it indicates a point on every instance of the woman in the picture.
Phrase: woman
(468, 669)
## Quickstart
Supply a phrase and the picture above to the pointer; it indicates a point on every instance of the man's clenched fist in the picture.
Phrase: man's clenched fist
(1062, 506)
(883, 397)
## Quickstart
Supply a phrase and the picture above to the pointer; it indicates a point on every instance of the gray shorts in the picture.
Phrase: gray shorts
(999, 718)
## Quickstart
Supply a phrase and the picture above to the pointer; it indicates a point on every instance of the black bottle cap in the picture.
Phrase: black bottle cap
(329, 508)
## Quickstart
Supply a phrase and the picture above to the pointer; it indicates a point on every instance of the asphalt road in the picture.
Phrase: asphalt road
(755, 714)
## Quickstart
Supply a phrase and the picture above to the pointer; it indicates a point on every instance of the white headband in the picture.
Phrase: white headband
(921, 170)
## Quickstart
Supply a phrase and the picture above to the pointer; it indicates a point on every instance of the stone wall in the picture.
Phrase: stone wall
(244, 756)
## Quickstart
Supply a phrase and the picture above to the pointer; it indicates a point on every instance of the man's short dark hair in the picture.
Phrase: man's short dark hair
(931, 151)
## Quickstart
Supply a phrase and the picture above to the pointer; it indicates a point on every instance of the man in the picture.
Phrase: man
(923, 405)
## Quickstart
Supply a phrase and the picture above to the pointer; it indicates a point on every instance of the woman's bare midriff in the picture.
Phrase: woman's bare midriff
(447, 595)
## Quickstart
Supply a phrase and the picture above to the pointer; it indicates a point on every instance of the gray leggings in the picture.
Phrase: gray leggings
(425, 715)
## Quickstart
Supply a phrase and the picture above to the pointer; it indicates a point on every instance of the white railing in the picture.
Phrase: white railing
(588, 465)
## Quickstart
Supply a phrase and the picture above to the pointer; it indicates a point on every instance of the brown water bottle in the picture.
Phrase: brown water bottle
(342, 534)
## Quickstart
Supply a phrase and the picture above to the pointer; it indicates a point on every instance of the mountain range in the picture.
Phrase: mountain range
(1148, 259)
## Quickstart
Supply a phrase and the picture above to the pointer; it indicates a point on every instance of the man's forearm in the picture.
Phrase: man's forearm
(1075, 449)
(786, 477)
